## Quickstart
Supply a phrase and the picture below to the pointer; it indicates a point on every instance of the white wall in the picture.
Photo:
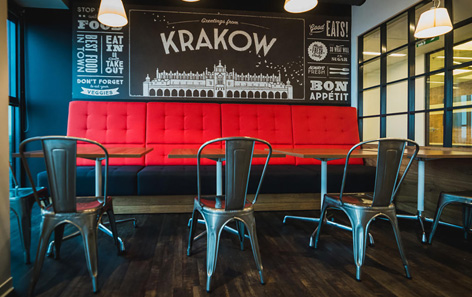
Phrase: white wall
(365, 17)
(5, 274)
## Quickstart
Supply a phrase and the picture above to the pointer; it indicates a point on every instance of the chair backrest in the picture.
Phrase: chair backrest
(238, 158)
(388, 178)
(60, 156)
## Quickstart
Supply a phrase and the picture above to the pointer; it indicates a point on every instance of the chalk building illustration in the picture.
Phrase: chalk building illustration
(218, 83)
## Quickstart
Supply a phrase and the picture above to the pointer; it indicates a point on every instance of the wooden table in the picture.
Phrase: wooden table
(325, 155)
(434, 153)
(427, 153)
(96, 153)
(218, 155)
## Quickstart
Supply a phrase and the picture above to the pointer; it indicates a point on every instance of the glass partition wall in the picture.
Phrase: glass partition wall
(419, 89)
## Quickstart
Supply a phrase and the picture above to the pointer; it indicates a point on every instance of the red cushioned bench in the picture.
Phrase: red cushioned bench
(156, 183)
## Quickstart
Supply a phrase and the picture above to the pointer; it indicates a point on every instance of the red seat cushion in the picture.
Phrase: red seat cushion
(111, 124)
(359, 199)
(180, 125)
(83, 206)
(211, 202)
(87, 204)
(325, 127)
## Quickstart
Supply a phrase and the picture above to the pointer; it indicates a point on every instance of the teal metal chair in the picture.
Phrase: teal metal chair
(463, 198)
(21, 204)
(363, 208)
(218, 211)
(60, 155)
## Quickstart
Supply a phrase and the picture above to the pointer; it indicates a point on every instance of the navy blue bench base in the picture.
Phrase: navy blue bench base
(121, 180)
(182, 179)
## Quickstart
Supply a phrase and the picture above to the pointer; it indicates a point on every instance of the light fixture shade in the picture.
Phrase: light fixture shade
(190, 0)
(298, 6)
(433, 22)
(112, 13)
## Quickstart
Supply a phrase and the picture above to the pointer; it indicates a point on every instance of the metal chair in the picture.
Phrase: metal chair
(21, 204)
(218, 211)
(363, 208)
(462, 197)
(60, 155)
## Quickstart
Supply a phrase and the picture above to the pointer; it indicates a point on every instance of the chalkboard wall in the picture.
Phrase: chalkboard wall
(211, 56)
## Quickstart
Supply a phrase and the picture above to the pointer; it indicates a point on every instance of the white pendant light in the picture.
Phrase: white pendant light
(112, 13)
(297, 6)
(433, 22)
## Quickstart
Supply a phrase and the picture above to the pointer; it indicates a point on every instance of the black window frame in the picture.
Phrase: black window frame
(15, 15)
(411, 78)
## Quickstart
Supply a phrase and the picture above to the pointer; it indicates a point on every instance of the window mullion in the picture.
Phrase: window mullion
(411, 73)
(383, 80)
(448, 84)
(360, 86)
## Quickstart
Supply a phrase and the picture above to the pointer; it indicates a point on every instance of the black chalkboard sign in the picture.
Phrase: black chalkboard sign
(212, 57)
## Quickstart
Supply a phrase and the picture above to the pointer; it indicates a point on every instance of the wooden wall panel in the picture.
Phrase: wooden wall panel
(184, 203)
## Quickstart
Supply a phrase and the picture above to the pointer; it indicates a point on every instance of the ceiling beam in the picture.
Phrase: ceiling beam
(258, 5)
(349, 2)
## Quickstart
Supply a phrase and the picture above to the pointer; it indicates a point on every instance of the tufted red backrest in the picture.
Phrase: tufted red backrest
(180, 125)
(110, 123)
(324, 126)
(268, 122)
(167, 125)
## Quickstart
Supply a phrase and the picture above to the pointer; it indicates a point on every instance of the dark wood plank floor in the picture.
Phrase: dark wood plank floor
(156, 263)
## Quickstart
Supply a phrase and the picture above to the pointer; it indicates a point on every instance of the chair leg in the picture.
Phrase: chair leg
(114, 230)
(191, 233)
(240, 227)
(371, 239)
(469, 221)
(439, 210)
(214, 227)
(133, 220)
(58, 236)
(423, 234)
(46, 231)
(359, 238)
(393, 220)
(466, 219)
(89, 234)
(251, 229)
(22, 209)
(316, 233)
